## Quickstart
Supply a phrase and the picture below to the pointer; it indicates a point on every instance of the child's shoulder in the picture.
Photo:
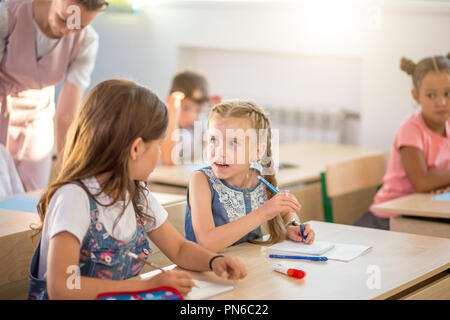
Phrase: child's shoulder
(70, 191)
(199, 177)
(413, 123)
(202, 179)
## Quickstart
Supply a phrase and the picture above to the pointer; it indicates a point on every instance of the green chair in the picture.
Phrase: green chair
(349, 176)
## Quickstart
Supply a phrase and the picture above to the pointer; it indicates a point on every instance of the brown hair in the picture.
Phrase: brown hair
(259, 120)
(93, 5)
(192, 84)
(419, 70)
(114, 114)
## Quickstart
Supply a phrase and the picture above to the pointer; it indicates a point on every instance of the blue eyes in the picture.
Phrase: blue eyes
(231, 143)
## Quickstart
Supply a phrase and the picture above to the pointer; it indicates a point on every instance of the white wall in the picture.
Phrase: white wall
(146, 47)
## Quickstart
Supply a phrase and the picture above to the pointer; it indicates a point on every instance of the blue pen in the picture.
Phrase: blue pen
(275, 190)
(279, 256)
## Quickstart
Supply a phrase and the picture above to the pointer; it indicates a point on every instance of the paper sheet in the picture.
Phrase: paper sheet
(442, 197)
(316, 248)
(25, 203)
(205, 289)
(346, 252)
(333, 251)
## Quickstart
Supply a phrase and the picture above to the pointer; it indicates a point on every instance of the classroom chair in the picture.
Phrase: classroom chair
(176, 218)
(350, 176)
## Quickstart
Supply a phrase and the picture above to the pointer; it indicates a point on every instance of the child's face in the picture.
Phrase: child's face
(231, 146)
(434, 97)
(189, 113)
(143, 158)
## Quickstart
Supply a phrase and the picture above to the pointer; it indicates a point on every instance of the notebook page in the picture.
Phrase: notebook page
(205, 289)
(316, 248)
(346, 252)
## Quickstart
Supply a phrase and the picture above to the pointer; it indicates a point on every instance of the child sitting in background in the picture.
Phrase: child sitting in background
(98, 210)
(226, 201)
(420, 155)
(187, 99)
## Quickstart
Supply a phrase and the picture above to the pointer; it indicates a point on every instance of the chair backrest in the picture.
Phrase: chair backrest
(176, 216)
(356, 174)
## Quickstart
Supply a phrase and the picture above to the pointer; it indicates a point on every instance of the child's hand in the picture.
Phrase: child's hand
(179, 280)
(293, 233)
(281, 202)
(174, 104)
(230, 268)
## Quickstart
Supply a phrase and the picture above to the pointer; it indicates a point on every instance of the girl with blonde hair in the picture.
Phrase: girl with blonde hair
(226, 201)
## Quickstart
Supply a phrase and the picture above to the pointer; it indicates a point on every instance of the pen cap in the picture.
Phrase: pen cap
(299, 274)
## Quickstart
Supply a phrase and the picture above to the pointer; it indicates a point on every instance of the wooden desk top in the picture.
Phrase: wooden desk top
(310, 158)
(12, 221)
(402, 259)
(417, 204)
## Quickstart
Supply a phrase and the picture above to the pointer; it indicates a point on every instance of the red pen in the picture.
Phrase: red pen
(295, 273)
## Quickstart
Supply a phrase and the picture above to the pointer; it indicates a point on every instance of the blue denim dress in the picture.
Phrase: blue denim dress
(101, 256)
(228, 204)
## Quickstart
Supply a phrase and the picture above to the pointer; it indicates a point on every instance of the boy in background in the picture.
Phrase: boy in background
(187, 121)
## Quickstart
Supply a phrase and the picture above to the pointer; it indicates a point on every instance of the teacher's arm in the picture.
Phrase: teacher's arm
(68, 103)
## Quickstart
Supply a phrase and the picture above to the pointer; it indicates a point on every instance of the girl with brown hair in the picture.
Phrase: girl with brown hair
(420, 154)
(98, 209)
(226, 201)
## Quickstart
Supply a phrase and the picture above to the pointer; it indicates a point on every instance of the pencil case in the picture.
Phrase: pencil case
(160, 293)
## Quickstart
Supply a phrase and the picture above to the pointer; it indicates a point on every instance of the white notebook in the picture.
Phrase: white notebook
(203, 290)
(333, 251)
(206, 290)
(346, 252)
(316, 248)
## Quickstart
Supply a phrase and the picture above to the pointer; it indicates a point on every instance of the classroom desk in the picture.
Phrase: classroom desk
(418, 205)
(17, 245)
(409, 265)
(310, 159)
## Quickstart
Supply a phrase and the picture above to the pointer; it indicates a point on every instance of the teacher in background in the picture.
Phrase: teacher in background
(41, 43)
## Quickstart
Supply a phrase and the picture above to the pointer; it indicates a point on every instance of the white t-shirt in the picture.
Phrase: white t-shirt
(69, 211)
(79, 71)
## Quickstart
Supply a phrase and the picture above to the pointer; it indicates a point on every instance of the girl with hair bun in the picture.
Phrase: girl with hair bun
(420, 155)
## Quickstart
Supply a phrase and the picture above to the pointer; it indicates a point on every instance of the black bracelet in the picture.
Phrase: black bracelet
(212, 259)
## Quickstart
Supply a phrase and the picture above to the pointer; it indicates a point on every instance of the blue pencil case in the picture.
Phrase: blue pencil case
(160, 293)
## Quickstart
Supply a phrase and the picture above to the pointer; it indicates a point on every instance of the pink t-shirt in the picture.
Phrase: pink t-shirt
(413, 132)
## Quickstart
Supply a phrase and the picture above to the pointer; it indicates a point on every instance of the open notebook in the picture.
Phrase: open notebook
(333, 251)
(317, 248)
(204, 289)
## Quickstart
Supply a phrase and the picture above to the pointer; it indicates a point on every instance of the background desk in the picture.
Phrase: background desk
(410, 266)
(419, 205)
(17, 245)
(311, 159)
